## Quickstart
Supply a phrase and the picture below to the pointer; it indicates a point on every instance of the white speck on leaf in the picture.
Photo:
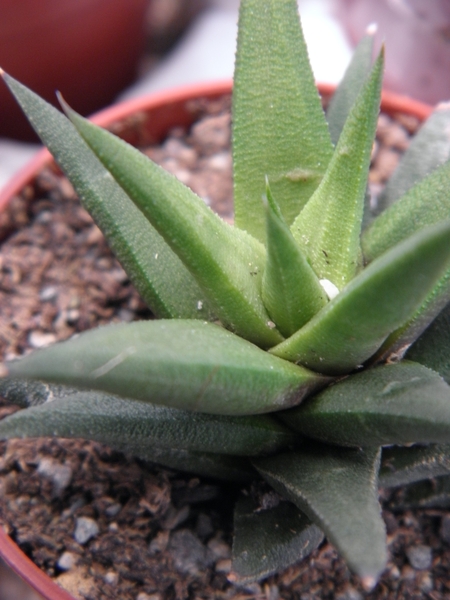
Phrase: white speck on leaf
(330, 289)
(113, 362)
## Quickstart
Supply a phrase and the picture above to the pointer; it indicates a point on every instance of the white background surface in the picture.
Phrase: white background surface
(206, 53)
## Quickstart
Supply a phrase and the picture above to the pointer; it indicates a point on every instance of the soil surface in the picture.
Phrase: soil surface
(107, 526)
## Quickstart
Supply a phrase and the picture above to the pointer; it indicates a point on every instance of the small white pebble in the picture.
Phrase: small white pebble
(85, 529)
(330, 289)
(40, 339)
(66, 561)
(199, 305)
(271, 324)
(111, 577)
(223, 566)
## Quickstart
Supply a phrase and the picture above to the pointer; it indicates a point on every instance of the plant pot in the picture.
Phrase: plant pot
(417, 38)
(88, 48)
(142, 120)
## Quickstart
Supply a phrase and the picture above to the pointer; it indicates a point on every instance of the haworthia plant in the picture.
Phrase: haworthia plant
(298, 311)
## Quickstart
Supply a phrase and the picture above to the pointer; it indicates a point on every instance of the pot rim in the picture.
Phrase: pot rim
(391, 103)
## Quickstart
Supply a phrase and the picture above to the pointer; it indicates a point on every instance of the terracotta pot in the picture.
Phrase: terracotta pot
(87, 48)
(417, 40)
(146, 119)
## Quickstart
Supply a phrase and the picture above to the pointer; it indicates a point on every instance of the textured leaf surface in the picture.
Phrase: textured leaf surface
(268, 541)
(226, 262)
(347, 91)
(428, 149)
(157, 273)
(426, 494)
(432, 349)
(184, 364)
(384, 295)
(390, 404)
(426, 203)
(400, 466)
(338, 491)
(328, 228)
(291, 290)
(279, 128)
(24, 393)
(138, 425)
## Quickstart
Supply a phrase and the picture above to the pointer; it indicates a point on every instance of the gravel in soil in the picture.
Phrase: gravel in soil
(108, 526)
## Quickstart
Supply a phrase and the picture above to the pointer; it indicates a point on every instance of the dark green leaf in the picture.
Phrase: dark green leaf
(279, 128)
(138, 425)
(199, 237)
(190, 365)
(352, 326)
(350, 85)
(328, 229)
(26, 393)
(432, 349)
(291, 290)
(338, 491)
(390, 404)
(158, 274)
(400, 466)
(425, 494)
(268, 541)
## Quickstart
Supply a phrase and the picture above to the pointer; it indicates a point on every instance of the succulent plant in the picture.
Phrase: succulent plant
(291, 347)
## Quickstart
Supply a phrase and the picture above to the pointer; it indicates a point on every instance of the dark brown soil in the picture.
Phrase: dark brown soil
(161, 534)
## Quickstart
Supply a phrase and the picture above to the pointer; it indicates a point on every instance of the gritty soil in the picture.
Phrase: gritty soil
(107, 526)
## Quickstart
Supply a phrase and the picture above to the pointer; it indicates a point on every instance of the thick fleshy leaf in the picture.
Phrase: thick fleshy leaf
(190, 365)
(400, 466)
(138, 425)
(352, 326)
(268, 541)
(425, 494)
(157, 273)
(279, 128)
(338, 491)
(291, 290)
(24, 393)
(226, 262)
(432, 349)
(397, 344)
(426, 203)
(390, 404)
(347, 91)
(328, 228)
(428, 149)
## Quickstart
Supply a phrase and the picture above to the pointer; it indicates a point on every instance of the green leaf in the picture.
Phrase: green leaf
(279, 128)
(133, 426)
(428, 149)
(26, 393)
(390, 404)
(328, 228)
(425, 204)
(350, 85)
(352, 326)
(400, 466)
(291, 290)
(338, 492)
(226, 262)
(157, 273)
(425, 494)
(432, 349)
(190, 365)
(268, 541)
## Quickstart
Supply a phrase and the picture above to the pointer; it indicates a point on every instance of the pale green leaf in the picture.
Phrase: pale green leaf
(429, 149)
(133, 426)
(400, 466)
(291, 290)
(425, 204)
(226, 262)
(352, 326)
(266, 541)
(190, 365)
(347, 91)
(279, 128)
(338, 492)
(399, 403)
(157, 273)
(328, 228)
